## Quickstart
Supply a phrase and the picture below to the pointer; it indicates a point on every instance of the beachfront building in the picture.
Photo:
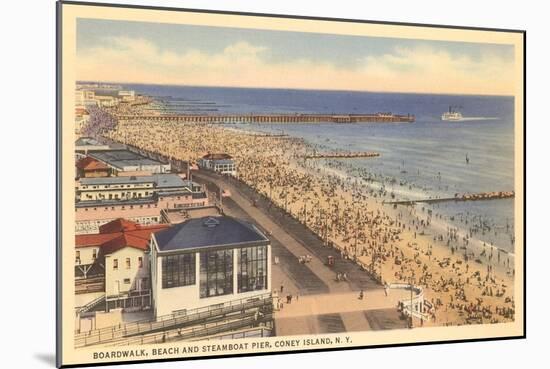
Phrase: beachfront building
(106, 101)
(220, 163)
(125, 162)
(142, 199)
(112, 266)
(84, 97)
(208, 261)
(88, 167)
(127, 95)
(82, 117)
(133, 187)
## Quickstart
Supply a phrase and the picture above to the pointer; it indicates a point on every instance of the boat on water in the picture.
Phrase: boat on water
(452, 115)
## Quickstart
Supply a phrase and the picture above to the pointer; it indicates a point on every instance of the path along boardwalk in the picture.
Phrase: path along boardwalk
(314, 282)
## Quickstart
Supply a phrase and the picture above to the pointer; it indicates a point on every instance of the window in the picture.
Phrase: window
(126, 280)
(140, 262)
(178, 270)
(94, 254)
(78, 256)
(128, 266)
(115, 264)
(216, 273)
(252, 264)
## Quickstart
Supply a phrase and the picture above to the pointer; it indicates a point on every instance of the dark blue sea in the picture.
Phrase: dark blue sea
(426, 158)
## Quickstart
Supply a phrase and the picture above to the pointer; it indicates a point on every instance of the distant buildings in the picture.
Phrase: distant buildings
(208, 261)
(221, 163)
(82, 117)
(98, 95)
(127, 95)
(102, 95)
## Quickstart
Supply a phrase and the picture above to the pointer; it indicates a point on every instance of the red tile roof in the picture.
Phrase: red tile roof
(118, 225)
(118, 234)
(89, 163)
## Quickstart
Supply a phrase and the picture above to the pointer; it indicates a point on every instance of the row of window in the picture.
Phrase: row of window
(178, 270)
(117, 186)
(216, 271)
(116, 196)
(123, 207)
(128, 263)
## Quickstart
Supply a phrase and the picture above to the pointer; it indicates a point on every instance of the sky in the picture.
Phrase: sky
(159, 53)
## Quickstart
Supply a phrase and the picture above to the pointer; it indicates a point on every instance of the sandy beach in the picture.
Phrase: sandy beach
(464, 280)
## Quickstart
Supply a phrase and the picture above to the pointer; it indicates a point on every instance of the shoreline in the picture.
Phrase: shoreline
(376, 236)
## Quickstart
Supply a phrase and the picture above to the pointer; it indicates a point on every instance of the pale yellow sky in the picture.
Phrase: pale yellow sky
(212, 57)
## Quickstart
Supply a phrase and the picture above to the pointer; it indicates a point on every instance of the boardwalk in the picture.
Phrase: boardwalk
(324, 305)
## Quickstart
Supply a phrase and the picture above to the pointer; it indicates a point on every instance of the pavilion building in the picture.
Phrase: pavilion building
(208, 261)
(220, 163)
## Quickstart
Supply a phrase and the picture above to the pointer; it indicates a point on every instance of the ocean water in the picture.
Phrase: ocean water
(423, 159)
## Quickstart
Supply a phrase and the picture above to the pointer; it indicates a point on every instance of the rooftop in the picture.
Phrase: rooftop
(165, 180)
(118, 234)
(175, 216)
(223, 161)
(89, 163)
(209, 231)
(123, 158)
(88, 141)
(217, 156)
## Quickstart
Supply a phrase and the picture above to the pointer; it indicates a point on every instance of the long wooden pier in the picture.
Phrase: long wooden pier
(342, 155)
(274, 118)
(465, 197)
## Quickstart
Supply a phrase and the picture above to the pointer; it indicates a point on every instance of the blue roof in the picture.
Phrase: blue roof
(211, 231)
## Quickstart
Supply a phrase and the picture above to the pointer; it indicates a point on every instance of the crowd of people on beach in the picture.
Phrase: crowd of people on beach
(463, 283)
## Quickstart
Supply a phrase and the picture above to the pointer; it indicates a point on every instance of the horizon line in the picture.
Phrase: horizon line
(300, 89)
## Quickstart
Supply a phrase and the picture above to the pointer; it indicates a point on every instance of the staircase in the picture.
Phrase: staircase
(90, 306)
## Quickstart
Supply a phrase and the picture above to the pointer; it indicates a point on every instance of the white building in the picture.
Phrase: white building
(208, 261)
(129, 95)
(114, 264)
(220, 163)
